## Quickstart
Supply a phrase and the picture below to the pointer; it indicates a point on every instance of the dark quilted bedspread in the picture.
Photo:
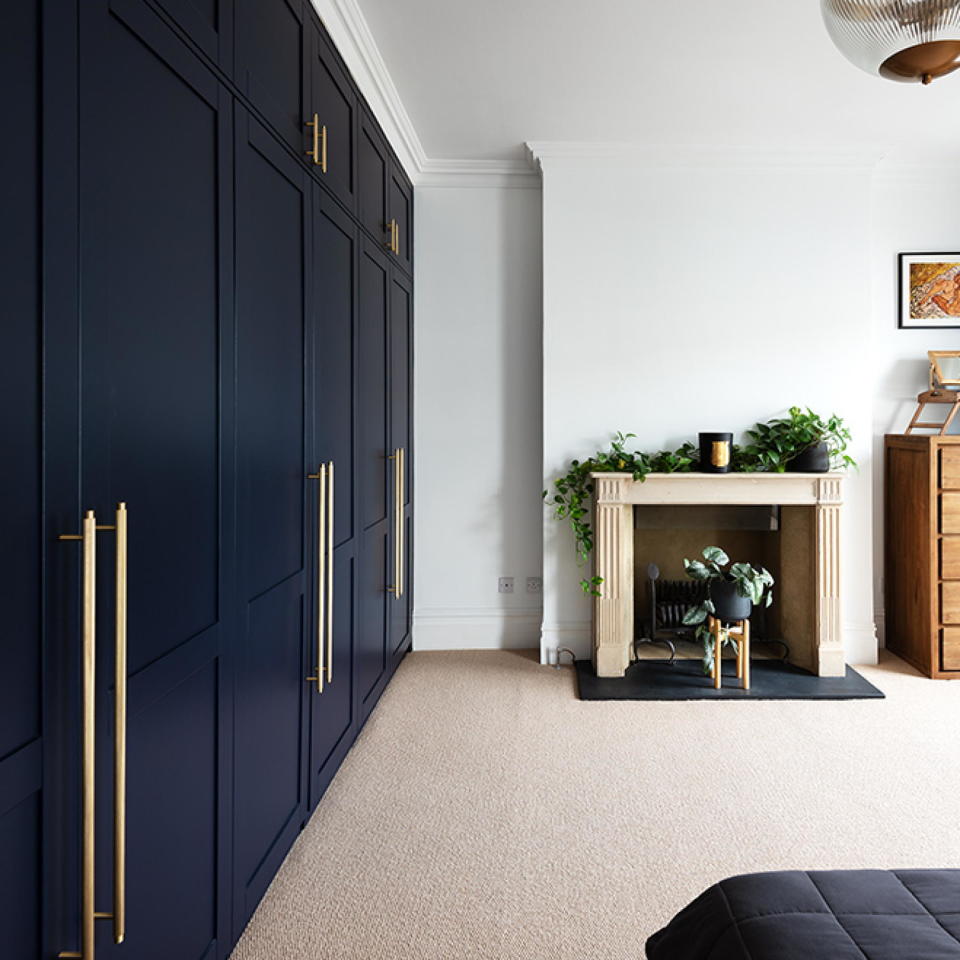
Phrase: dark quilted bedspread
(819, 915)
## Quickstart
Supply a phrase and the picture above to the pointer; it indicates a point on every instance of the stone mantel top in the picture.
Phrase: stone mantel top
(787, 489)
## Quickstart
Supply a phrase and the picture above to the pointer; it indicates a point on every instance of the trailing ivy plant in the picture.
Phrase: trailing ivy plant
(771, 445)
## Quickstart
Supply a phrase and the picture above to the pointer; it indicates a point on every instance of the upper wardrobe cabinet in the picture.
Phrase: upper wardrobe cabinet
(330, 120)
(208, 24)
(400, 218)
(373, 164)
(272, 44)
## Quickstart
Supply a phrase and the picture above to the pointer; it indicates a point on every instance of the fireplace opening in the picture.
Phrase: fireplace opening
(664, 535)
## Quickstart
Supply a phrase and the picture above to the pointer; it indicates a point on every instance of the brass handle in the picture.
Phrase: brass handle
(401, 499)
(391, 244)
(314, 151)
(88, 913)
(323, 148)
(396, 238)
(398, 496)
(330, 573)
(120, 736)
(321, 476)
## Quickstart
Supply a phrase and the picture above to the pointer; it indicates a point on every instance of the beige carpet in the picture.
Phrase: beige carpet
(487, 813)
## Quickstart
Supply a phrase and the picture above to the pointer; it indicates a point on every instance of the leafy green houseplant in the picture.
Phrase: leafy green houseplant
(781, 444)
(772, 445)
(740, 579)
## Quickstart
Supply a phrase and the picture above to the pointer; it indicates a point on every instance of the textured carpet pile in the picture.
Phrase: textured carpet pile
(485, 812)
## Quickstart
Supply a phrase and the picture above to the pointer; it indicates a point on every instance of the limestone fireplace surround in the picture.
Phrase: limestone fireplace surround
(809, 582)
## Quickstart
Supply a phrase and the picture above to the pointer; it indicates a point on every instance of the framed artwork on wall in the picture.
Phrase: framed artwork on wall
(929, 291)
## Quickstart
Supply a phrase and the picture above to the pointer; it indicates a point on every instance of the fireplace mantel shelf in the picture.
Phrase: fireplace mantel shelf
(719, 488)
(809, 554)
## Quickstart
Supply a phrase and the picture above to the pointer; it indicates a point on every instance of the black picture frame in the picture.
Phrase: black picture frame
(905, 291)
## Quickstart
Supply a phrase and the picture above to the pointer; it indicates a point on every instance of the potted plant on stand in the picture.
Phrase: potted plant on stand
(732, 591)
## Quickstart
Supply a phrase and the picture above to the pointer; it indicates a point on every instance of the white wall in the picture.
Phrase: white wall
(477, 416)
(914, 210)
(703, 291)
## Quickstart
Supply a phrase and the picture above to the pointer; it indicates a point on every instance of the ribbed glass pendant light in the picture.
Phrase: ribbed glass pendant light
(907, 40)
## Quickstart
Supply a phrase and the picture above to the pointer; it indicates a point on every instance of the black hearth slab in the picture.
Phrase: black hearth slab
(685, 680)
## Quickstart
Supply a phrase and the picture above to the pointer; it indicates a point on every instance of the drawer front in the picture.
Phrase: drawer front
(950, 648)
(950, 602)
(950, 558)
(950, 468)
(950, 512)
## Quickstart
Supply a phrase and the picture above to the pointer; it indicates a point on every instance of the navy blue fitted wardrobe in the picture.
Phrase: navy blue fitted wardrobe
(206, 486)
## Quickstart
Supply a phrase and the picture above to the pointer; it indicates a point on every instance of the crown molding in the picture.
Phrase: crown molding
(543, 152)
(479, 173)
(350, 32)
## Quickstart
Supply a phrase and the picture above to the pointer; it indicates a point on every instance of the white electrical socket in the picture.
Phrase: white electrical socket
(505, 585)
(534, 585)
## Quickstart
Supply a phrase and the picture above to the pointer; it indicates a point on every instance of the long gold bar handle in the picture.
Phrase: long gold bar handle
(401, 524)
(396, 238)
(314, 151)
(120, 735)
(330, 573)
(321, 477)
(323, 147)
(397, 587)
(391, 228)
(88, 914)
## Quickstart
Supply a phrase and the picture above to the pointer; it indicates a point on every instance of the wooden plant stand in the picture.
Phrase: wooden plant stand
(740, 630)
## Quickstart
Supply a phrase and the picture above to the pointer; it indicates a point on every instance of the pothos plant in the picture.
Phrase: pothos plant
(757, 585)
(768, 450)
(775, 443)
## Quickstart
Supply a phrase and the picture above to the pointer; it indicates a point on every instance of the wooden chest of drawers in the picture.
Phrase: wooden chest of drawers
(922, 552)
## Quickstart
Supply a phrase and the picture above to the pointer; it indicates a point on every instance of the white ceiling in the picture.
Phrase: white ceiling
(479, 79)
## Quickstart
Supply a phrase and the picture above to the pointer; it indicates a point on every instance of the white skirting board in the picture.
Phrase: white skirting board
(476, 629)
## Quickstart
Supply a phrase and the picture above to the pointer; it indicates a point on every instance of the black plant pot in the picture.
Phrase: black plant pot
(728, 603)
(815, 459)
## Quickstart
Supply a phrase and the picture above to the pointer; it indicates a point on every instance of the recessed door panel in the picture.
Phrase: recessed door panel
(172, 804)
(206, 23)
(150, 309)
(372, 179)
(270, 63)
(333, 101)
(401, 211)
(20, 878)
(271, 685)
(270, 339)
(401, 314)
(334, 270)
(19, 383)
(371, 641)
(373, 463)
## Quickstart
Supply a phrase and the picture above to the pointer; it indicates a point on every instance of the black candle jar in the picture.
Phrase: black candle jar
(716, 452)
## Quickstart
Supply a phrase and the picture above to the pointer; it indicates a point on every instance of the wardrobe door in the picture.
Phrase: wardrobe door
(333, 325)
(375, 471)
(401, 422)
(372, 165)
(272, 252)
(154, 245)
(271, 64)
(401, 216)
(20, 690)
(333, 107)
